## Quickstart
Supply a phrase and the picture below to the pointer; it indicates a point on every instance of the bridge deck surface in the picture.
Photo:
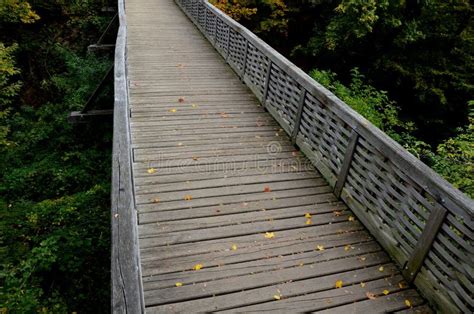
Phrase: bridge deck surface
(213, 172)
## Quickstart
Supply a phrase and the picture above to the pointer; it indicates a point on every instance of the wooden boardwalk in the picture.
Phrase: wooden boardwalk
(219, 185)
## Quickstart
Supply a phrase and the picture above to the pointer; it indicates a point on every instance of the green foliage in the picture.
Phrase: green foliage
(453, 159)
(54, 177)
(421, 52)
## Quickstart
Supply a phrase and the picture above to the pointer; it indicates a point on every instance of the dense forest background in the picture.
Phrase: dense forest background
(406, 65)
(54, 177)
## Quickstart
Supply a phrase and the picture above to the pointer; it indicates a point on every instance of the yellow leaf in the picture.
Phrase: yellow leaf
(362, 284)
(277, 297)
(234, 247)
(197, 267)
(307, 215)
(269, 235)
(407, 303)
(188, 197)
(194, 105)
(178, 284)
(308, 221)
(351, 218)
(173, 110)
(386, 292)
(347, 248)
(339, 284)
(151, 170)
(381, 269)
(320, 247)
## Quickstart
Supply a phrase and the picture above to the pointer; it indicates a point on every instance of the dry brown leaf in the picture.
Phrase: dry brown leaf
(181, 99)
(195, 158)
(347, 248)
(370, 295)
(337, 213)
(188, 197)
(267, 189)
(156, 200)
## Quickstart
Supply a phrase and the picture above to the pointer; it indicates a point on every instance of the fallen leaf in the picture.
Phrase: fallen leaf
(308, 221)
(339, 284)
(277, 297)
(181, 99)
(402, 285)
(407, 303)
(307, 215)
(173, 110)
(194, 105)
(370, 295)
(381, 269)
(234, 247)
(294, 153)
(195, 158)
(156, 200)
(337, 213)
(269, 235)
(188, 197)
(178, 284)
(151, 170)
(362, 284)
(351, 218)
(386, 292)
(362, 258)
(197, 267)
(267, 189)
(320, 247)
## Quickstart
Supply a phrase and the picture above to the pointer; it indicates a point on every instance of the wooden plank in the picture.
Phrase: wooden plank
(171, 267)
(328, 299)
(265, 294)
(256, 264)
(234, 284)
(423, 246)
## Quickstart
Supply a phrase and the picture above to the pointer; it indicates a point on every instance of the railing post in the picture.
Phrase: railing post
(346, 163)
(299, 113)
(267, 83)
(245, 59)
(422, 247)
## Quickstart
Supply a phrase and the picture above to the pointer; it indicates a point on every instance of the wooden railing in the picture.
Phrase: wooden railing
(421, 220)
(126, 284)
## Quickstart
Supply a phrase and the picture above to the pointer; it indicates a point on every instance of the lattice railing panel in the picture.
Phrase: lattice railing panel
(237, 51)
(256, 69)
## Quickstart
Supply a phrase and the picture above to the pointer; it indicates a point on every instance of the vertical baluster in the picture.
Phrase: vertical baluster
(267, 83)
(299, 113)
(242, 74)
(346, 164)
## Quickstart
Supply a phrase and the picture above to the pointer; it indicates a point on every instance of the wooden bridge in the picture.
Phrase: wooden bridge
(240, 184)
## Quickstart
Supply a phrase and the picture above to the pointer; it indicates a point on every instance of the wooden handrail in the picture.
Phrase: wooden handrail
(126, 285)
(418, 217)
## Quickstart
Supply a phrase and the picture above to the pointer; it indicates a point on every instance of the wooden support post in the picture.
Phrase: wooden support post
(267, 83)
(242, 74)
(77, 117)
(228, 43)
(346, 164)
(422, 247)
(299, 113)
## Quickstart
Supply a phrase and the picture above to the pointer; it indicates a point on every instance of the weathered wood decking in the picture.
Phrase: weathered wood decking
(213, 172)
